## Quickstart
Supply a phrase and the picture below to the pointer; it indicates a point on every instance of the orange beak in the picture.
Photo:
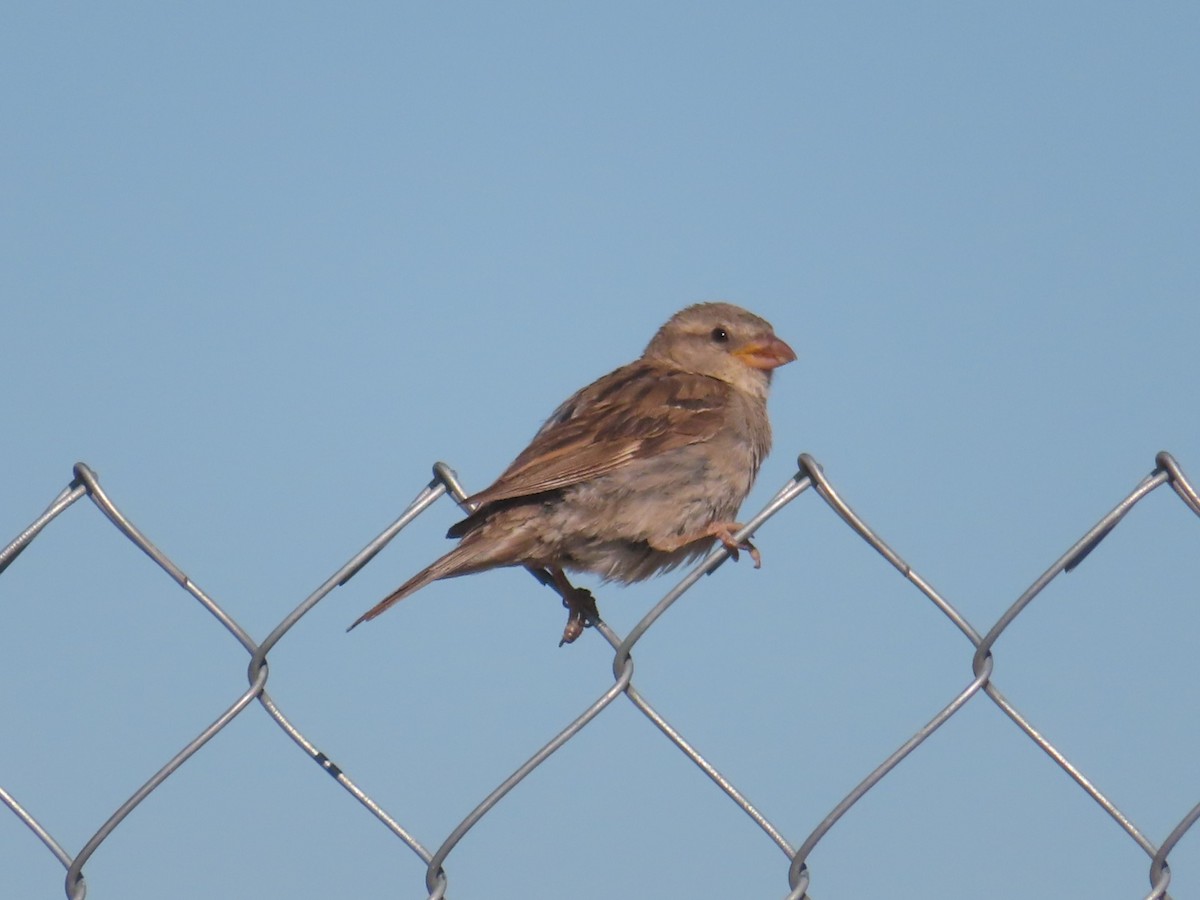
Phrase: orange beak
(766, 355)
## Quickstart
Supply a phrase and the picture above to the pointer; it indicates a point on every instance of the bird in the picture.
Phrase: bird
(640, 471)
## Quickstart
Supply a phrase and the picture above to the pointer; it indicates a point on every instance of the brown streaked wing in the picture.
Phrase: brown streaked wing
(636, 412)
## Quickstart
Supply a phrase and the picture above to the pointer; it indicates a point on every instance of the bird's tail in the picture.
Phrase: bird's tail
(462, 560)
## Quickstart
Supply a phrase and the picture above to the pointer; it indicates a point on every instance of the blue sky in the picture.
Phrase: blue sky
(262, 266)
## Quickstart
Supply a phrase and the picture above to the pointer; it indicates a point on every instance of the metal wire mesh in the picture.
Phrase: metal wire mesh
(809, 475)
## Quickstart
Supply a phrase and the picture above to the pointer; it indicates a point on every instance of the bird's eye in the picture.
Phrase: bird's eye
(720, 335)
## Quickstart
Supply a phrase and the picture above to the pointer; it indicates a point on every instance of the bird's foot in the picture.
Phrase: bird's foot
(581, 613)
(580, 604)
(724, 533)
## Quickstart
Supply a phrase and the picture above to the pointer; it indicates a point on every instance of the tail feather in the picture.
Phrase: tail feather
(462, 560)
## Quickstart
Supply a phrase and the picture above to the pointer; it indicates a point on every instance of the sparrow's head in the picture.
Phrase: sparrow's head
(722, 341)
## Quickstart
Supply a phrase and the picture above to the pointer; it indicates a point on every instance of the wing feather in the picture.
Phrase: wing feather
(639, 411)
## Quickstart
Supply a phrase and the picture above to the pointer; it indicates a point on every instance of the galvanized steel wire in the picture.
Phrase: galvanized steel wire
(809, 475)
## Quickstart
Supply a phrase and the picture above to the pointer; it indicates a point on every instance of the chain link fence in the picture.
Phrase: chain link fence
(809, 475)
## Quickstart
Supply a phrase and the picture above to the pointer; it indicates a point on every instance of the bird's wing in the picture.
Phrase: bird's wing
(639, 411)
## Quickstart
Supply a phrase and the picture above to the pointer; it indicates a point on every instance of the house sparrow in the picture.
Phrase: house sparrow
(635, 474)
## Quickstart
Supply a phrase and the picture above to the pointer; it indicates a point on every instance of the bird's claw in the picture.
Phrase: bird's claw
(725, 536)
(754, 554)
(582, 613)
(573, 629)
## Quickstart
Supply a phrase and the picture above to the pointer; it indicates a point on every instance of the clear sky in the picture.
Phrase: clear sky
(262, 265)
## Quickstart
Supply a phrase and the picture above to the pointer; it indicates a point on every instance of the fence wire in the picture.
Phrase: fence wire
(809, 475)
